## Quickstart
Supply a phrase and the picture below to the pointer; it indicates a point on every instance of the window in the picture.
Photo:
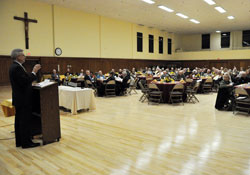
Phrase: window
(225, 40)
(206, 41)
(160, 45)
(169, 46)
(246, 38)
(151, 43)
(139, 42)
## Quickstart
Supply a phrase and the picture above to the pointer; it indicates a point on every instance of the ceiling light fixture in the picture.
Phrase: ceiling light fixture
(148, 1)
(194, 21)
(165, 8)
(218, 31)
(210, 2)
(220, 9)
(181, 15)
(230, 17)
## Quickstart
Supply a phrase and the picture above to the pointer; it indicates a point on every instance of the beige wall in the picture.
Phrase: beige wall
(213, 55)
(190, 48)
(116, 38)
(78, 34)
(193, 42)
(12, 31)
(145, 54)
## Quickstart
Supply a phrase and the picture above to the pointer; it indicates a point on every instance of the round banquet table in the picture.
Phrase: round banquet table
(166, 88)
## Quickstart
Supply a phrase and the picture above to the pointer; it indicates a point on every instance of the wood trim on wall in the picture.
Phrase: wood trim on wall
(106, 64)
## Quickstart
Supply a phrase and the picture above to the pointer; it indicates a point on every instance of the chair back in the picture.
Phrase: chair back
(189, 80)
(111, 82)
(141, 86)
(209, 80)
(178, 86)
(153, 86)
(134, 82)
(196, 87)
(88, 84)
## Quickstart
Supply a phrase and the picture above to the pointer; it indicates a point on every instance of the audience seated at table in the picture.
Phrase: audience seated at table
(125, 79)
(68, 73)
(55, 76)
(81, 74)
(225, 93)
(160, 73)
(241, 78)
(88, 76)
(100, 76)
(164, 75)
(180, 76)
(149, 71)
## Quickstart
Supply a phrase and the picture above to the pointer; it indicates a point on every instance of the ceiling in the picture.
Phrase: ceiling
(139, 12)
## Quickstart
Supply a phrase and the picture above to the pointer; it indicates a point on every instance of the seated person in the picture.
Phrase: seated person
(81, 74)
(218, 77)
(149, 71)
(55, 76)
(208, 73)
(224, 93)
(100, 75)
(133, 72)
(180, 76)
(99, 84)
(68, 73)
(124, 84)
(172, 71)
(111, 77)
(242, 79)
(88, 76)
(196, 75)
(164, 75)
(120, 73)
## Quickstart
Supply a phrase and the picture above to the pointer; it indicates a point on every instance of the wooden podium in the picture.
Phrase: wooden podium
(45, 111)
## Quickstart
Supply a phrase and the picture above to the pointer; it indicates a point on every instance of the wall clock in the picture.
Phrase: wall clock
(58, 51)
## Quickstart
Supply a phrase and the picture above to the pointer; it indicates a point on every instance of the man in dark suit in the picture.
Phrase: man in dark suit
(21, 84)
(88, 76)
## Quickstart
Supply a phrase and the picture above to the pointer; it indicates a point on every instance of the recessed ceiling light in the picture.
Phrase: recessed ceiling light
(210, 2)
(194, 21)
(230, 17)
(165, 8)
(220, 9)
(181, 15)
(218, 31)
(149, 1)
(224, 34)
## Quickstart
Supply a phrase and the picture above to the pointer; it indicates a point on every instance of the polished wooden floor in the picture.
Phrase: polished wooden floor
(127, 137)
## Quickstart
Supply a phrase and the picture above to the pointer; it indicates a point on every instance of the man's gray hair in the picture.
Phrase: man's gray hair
(15, 53)
(124, 73)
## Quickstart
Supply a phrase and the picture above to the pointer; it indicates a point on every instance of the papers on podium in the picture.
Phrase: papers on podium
(44, 83)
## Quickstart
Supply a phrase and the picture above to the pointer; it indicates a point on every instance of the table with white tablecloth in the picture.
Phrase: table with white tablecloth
(76, 98)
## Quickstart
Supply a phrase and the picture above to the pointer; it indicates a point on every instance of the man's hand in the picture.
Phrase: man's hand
(36, 68)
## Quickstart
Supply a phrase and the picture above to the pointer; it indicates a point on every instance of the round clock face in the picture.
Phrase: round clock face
(58, 51)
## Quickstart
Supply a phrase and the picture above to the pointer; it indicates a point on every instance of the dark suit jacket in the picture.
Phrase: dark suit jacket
(110, 78)
(86, 77)
(242, 80)
(125, 82)
(21, 84)
(55, 77)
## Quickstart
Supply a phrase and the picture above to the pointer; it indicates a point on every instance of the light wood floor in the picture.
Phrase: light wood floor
(127, 137)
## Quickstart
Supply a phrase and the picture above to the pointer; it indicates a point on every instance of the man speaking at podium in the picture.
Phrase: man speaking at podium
(21, 84)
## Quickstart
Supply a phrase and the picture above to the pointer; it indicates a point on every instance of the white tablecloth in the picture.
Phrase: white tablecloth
(76, 98)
